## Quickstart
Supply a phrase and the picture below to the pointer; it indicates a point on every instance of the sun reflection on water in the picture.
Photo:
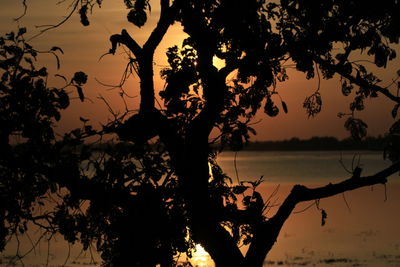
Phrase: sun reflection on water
(201, 258)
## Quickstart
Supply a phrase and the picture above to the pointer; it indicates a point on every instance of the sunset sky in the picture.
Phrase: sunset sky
(83, 47)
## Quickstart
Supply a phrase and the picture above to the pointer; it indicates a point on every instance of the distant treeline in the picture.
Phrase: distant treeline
(320, 143)
(314, 143)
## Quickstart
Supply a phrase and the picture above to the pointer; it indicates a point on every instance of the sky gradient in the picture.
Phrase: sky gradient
(84, 46)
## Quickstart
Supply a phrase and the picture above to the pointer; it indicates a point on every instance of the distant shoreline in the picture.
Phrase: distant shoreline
(318, 143)
(294, 144)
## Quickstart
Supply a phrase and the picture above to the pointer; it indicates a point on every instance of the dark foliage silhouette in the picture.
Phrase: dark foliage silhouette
(158, 190)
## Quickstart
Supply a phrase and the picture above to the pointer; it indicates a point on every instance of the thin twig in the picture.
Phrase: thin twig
(235, 166)
(35, 244)
(109, 107)
(386, 198)
(342, 163)
(49, 27)
(48, 251)
(266, 203)
(31, 241)
(24, 12)
(68, 255)
(345, 201)
(306, 208)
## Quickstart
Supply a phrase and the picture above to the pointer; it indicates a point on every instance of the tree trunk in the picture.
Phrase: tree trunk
(193, 170)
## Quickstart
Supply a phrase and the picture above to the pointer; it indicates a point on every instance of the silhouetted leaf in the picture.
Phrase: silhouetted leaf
(137, 17)
(80, 78)
(42, 72)
(57, 116)
(82, 119)
(270, 108)
(63, 98)
(256, 183)
(21, 31)
(346, 88)
(357, 128)
(313, 104)
(83, 15)
(284, 107)
(80, 93)
(258, 199)
(10, 36)
(56, 48)
(239, 189)
(252, 130)
(394, 110)
(128, 4)
(246, 201)
(324, 216)
(57, 61)
(77, 132)
(347, 68)
(358, 103)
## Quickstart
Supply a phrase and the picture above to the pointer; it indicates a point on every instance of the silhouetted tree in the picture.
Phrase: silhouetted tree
(141, 203)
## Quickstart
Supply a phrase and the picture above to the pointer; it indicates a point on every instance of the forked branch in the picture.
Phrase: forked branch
(167, 17)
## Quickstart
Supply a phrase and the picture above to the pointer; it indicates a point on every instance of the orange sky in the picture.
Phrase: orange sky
(83, 46)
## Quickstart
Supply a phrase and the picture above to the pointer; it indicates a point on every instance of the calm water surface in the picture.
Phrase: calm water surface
(300, 166)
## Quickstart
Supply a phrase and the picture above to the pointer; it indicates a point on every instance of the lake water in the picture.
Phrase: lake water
(364, 234)
(300, 166)
(362, 228)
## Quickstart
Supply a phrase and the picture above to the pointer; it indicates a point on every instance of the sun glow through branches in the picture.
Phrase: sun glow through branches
(201, 258)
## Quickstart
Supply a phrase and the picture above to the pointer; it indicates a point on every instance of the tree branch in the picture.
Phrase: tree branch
(146, 60)
(267, 233)
(301, 193)
(125, 39)
(167, 17)
(148, 116)
(358, 81)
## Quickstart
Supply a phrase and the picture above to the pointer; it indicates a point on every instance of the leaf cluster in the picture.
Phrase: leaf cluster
(120, 198)
(137, 11)
(327, 33)
(182, 94)
(240, 207)
(27, 106)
